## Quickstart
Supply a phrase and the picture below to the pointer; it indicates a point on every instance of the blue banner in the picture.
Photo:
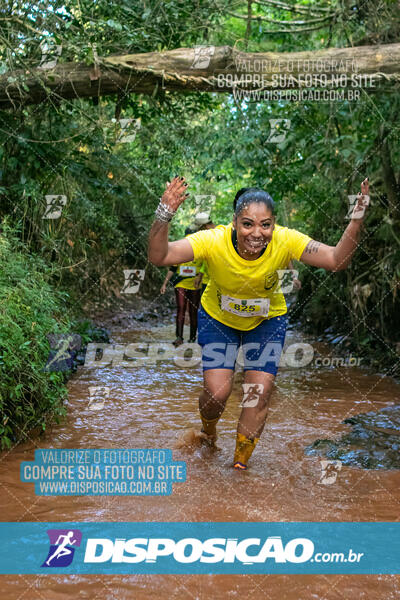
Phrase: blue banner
(192, 548)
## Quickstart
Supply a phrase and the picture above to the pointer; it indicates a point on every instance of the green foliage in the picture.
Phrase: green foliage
(31, 309)
(220, 144)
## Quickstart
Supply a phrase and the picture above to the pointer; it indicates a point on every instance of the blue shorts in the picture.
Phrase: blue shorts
(262, 346)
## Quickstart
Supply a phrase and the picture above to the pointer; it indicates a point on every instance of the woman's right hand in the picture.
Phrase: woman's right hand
(175, 193)
(163, 288)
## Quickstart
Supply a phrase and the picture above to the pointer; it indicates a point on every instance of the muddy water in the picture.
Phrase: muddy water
(153, 407)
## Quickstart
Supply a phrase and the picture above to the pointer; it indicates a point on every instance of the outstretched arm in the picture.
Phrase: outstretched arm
(161, 252)
(167, 278)
(337, 258)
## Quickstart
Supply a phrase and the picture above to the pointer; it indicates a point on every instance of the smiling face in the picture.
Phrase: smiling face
(254, 226)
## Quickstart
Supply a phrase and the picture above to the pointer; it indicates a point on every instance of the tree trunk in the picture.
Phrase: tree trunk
(207, 69)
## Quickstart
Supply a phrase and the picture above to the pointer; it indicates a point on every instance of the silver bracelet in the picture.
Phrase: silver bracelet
(163, 213)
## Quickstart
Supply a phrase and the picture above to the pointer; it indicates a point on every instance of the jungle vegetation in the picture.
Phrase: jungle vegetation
(110, 175)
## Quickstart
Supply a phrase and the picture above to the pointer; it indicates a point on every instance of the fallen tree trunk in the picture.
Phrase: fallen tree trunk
(202, 69)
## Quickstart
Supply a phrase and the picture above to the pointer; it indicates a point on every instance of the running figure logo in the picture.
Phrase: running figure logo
(355, 211)
(202, 57)
(129, 129)
(133, 278)
(50, 53)
(98, 396)
(286, 280)
(251, 394)
(330, 470)
(54, 206)
(62, 542)
(63, 349)
(279, 130)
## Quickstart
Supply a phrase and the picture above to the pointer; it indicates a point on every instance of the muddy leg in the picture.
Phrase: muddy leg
(253, 416)
(212, 400)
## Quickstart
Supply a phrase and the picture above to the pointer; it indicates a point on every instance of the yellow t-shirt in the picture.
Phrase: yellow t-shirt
(189, 271)
(242, 293)
(204, 269)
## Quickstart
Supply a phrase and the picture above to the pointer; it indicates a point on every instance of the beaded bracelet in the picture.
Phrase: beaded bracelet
(163, 213)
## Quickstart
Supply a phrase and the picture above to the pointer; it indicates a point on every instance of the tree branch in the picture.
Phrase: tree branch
(177, 70)
(305, 22)
(23, 23)
(289, 23)
(295, 7)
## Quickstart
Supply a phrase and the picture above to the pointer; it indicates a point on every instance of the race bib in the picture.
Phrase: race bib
(185, 271)
(258, 307)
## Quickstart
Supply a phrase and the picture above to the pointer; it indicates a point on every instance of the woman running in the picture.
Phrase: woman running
(243, 304)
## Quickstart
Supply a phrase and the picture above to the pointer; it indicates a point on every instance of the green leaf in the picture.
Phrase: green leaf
(114, 25)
